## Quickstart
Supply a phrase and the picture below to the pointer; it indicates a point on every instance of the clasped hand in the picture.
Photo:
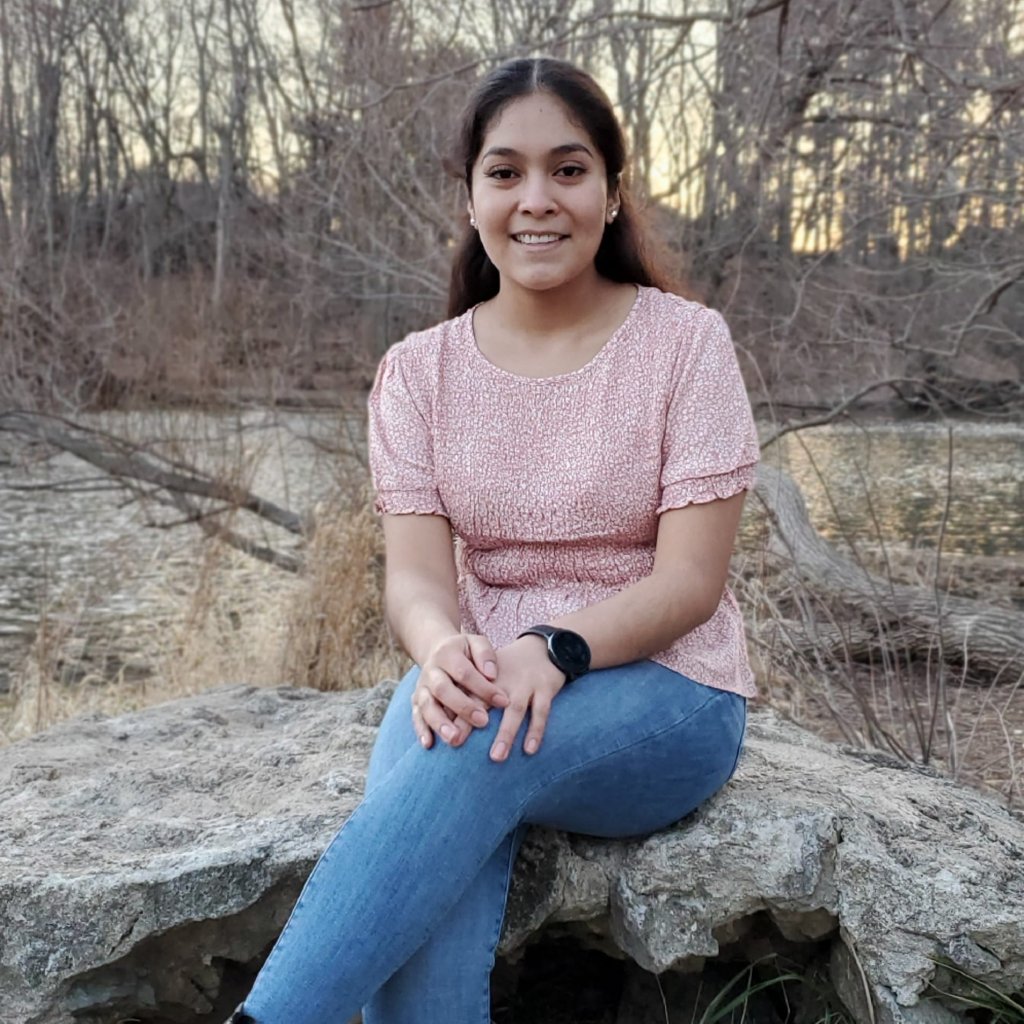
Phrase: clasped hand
(464, 676)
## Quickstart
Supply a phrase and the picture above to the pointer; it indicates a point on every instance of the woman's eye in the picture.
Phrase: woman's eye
(572, 171)
(501, 173)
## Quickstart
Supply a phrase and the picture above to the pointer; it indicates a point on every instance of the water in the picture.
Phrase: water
(65, 531)
(891, 482)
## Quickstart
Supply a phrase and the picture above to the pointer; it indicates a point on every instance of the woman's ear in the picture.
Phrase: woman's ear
(614, 202)
(615, 196)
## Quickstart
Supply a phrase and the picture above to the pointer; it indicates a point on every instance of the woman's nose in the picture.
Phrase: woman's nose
(536, 197)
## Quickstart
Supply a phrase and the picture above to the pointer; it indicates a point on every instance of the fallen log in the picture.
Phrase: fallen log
(983, 638)
(167, 482)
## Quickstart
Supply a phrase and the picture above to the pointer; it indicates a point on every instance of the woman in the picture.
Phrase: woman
(560, 469)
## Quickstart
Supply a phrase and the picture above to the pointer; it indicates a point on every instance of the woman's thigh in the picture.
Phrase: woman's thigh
(667, 744)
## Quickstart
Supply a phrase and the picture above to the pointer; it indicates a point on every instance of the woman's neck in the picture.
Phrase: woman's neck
(554, 312)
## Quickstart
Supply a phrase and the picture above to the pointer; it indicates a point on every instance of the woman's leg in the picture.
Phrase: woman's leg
(448, 977)
(627, 751)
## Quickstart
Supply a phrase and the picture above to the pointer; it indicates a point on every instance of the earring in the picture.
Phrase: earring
(472, 222)
(611, 216)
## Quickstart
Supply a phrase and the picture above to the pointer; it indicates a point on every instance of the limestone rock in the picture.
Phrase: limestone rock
(144, 858)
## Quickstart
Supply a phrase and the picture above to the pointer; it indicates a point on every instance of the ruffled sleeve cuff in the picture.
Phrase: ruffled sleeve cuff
(699, 490)
(420, 502)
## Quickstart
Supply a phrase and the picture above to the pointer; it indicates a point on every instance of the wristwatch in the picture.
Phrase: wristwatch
(567, 650)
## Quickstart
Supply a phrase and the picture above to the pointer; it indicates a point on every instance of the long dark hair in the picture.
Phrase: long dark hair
(622, 255)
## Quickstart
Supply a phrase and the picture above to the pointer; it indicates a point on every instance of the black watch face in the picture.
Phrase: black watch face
(572, 651)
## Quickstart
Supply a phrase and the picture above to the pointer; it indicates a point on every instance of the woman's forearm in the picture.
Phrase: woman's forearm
(639, 620)
(420, 612)
(691, 565)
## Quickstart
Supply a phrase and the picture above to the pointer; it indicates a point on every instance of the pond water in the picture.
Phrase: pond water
(64, 528)
(893, 483)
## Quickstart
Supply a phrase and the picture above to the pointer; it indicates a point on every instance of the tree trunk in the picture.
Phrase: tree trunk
(985, 639)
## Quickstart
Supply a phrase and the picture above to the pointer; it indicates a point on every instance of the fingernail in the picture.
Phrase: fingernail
(498, 751)
(531, 746)
(479, 718)
(501, 699)
(490, 668)
(425, 741)
(447, 731)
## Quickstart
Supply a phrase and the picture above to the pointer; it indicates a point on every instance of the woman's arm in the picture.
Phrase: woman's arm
(420, 597)
(455, 686)
(691, 564)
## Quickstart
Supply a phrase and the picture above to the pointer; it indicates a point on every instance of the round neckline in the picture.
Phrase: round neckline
(594, 360)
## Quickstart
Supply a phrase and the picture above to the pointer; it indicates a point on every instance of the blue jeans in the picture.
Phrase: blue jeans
(402, 914)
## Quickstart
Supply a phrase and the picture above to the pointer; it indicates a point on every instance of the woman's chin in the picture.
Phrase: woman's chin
(543, 282)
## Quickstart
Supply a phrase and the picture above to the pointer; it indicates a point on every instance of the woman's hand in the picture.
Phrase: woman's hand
(532, 682)
(455, 689)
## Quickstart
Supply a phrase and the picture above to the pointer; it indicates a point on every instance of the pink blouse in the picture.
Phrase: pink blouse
(553, 485)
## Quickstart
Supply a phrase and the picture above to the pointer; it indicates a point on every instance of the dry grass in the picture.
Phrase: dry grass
(336, 637)
(217, 624)
(220, 618)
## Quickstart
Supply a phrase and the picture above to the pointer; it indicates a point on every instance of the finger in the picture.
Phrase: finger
(511, 720)
(482, 653)
(453, 697)
(540, 708)
(440, 719)
(467, 673)
(461, 726)
(436, 717)
(462, 731)
(423, 733)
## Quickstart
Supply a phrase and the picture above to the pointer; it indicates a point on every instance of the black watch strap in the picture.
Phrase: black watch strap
(544, 631)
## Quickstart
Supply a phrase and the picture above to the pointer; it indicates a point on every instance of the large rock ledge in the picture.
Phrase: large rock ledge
(147, 857)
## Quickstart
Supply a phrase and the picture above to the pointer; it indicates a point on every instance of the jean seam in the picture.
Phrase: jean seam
(322, 859)
(739, 744)
(297, 906)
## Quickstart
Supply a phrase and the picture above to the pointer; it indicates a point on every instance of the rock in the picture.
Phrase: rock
(148, 861)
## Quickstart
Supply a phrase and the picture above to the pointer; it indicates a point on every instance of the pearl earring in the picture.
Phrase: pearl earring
(472, 222)
(611, 216)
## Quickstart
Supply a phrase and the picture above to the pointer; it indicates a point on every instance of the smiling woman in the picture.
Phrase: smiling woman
(541, 212)
(560, 468)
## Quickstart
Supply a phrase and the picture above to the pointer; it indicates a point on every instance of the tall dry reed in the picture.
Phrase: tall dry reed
(336, 636)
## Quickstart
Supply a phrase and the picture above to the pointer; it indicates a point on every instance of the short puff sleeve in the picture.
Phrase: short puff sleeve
(710, 448)
(400, 444)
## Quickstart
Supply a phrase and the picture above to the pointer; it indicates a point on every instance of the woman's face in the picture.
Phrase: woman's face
(540, 195)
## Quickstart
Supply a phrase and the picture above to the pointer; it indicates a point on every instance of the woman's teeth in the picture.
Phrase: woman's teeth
(536, 239)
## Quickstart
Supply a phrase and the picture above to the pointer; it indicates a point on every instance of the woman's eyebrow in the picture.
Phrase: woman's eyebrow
(566, 147)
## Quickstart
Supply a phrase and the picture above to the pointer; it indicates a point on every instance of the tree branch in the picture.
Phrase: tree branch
(129, 465)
